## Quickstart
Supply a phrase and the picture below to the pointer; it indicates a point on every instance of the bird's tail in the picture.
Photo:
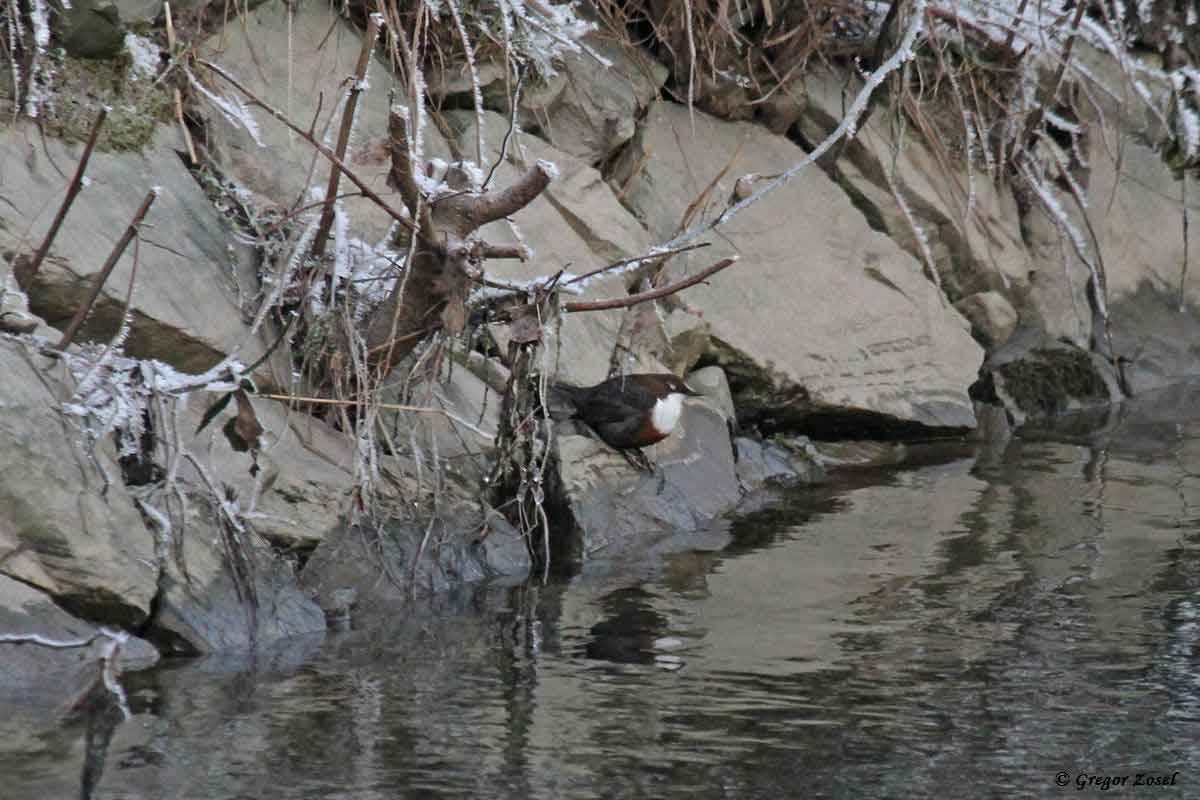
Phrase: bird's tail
(561, 402)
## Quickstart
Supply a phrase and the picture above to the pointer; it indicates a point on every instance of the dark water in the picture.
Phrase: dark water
(964, 629)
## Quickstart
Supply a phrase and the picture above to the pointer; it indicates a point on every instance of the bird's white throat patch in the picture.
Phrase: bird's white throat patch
(666, 412)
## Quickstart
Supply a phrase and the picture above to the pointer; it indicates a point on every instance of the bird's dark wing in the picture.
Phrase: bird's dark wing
(599, 410)
(562, 402)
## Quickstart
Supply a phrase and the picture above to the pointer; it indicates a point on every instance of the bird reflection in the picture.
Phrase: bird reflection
(630, 630)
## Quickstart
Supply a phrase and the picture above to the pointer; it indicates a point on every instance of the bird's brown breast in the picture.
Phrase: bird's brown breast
(646, 434)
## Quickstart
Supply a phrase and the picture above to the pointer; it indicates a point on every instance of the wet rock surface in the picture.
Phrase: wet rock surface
(364, 573)
(763, 463)
(1036, 377)
(1155, 338)
(228, 591)
(609, 507)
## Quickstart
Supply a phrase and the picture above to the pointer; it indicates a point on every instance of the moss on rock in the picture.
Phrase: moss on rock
(80, 87)
(1048, 380)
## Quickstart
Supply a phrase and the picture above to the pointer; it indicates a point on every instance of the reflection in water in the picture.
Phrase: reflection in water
(103, 713)
(629, 629)
(962, 629)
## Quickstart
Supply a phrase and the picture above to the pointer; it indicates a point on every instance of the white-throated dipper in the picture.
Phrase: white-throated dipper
(628, 411)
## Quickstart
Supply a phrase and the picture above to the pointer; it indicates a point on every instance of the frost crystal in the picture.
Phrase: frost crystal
(143, 56)
(36, 95)
(232, 108)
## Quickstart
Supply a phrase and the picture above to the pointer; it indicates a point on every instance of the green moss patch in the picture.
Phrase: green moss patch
(80, 87)
(1048, 380)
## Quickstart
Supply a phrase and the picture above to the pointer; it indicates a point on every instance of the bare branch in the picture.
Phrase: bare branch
(183, 128)
(493, 206)
(401, 175)
(484, 250)
(356, 89)
(512, 126)
(320, 148)
(625, 302)
(627, 261)
(86, 306)
(30, 270)
(846, 127)
(326, 401)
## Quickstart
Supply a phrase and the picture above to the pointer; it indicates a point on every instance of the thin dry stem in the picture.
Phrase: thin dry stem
(367, 191)
(86, 306)
(655, 294)
(29, 272)
(343, 141)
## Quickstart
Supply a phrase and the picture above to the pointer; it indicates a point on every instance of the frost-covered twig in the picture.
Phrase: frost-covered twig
(917, 232)
(1039, 110)
(39, 19)
(14, 39)
(367, 191)
(691, 84)
(654, 294)
(359, 85)
(473, 69)
(86, 306)
(846, 127)
(632, 263)
(54, 644)
(327, 401)
(77, 181)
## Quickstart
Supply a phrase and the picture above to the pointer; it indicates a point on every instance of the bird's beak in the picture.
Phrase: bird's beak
(690, 392)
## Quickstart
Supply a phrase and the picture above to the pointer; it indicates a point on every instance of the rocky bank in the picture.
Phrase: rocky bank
(889, 295)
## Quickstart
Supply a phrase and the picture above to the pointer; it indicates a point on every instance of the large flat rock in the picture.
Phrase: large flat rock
(299, 66)
(307, 470)
(835, 317)
(969, 221)
(595, 111)
(184, 305)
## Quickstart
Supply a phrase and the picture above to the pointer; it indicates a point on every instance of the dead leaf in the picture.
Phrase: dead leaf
(243, 431)
(376, 150)
(216, 408)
